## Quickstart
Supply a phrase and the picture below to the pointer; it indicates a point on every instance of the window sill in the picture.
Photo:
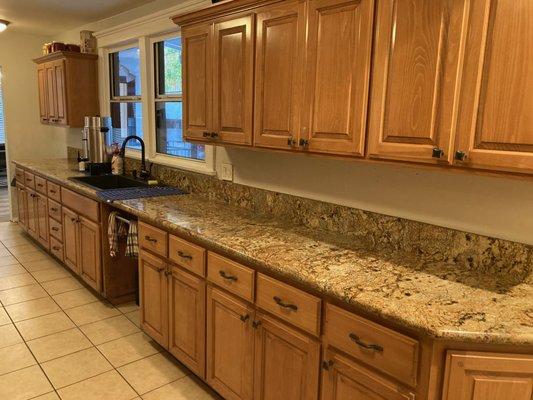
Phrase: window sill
(202, 167)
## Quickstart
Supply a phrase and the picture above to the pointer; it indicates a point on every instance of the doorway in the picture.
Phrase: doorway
(5, 214)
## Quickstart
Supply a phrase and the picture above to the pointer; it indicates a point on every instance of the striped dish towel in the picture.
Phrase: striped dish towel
(132, 244)
(115, 228)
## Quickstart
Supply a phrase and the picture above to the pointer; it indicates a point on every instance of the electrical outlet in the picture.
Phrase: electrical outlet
(227, 172)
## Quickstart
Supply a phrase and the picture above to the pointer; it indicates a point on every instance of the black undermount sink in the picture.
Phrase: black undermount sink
(109, 181)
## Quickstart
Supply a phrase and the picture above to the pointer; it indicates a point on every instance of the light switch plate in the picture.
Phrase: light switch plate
(227, 172)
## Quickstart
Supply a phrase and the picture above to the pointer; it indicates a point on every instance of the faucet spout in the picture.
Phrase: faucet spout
(143, 173)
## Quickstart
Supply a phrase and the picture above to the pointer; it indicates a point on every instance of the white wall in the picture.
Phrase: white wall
(26, 137)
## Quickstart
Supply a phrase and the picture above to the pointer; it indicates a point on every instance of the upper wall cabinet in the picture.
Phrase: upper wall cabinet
(414, 80)
(68, 88)
(495, 129)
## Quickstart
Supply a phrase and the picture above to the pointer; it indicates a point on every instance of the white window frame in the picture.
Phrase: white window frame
(144, 32)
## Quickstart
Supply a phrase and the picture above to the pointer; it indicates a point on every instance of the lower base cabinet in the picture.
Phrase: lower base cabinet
(41, 212)
(70, 238)
(31, 213)
(22, 201)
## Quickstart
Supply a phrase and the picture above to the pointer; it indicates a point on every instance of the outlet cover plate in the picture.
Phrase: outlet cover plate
(227, 172)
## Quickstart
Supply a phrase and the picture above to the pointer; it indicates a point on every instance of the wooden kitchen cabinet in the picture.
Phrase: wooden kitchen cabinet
(90, 259)
(230, 345)
(279, 60)
(488, 376)
(68, 88)
(22, 201)
(32, 220)
(345, 379)
(415, 80)
(286, 362)
(495, 125)
(153, 293)
(71, 238)
(41, 211)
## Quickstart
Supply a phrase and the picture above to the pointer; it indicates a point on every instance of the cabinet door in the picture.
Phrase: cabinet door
(230, 345)
(280, 46)
(60, 91)
(197, 81)
(233, 80)
(32, 213)
(51, 96)
(43, 93)
(187, 319)
(415, 80)
(344, 379)
(90, 253)
(22, 201)
(337, 74)
(71, 239)
(153, 292)
(286, 362)
(41, 205)
(495, 127)
(488, 376)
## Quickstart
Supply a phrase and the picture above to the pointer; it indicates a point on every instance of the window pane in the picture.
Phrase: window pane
(169, 135)
(126, 75)
(169, 63)
(127, 120)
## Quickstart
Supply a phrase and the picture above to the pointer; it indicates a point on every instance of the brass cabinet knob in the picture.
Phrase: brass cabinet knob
(460, 155)
(304, 143)
(437, 153)
(291, 141)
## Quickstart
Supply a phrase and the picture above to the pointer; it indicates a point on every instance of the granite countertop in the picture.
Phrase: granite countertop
(436, 299)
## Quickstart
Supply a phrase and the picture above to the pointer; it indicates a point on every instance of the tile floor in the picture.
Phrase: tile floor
(59, 340)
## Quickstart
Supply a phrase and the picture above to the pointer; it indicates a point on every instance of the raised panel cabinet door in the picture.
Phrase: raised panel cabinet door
(415, 80)
(495, 127)
(286, 363)
(90, 257)
(51, 92)
(233, 80)
(344, 379)
(279, 60)
(153, 292)
(187, 319)
(32, 213)
(488, 376)
(43, 103)
(197, 69)
(43, 230)
(71, 236)
(22, 202)
(337, 76)
(60, 91)
(230, 345)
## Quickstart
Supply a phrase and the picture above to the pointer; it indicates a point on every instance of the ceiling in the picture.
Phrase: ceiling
(50, 17)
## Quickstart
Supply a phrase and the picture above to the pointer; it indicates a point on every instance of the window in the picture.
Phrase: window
(168, 103)
(126, 106)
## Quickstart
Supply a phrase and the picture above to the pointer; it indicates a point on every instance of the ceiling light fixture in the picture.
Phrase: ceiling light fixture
(3, 25)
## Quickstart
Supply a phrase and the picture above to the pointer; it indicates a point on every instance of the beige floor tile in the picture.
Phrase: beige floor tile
(45, 325)
(23, 293)
(15, 357)
(127, 307)
(47, 396)
(129, 348)
(8, 260)
(134, 317)
(15, 269)
(15, 240)
(32, 256)
(51, 274)
(4, 252)
(109, 329)
(61, 285)
(13, 281)
(9, 336)
(75, 298)
(76, 367)
(41, 264)
(58, 345)
(107, 386)
(152, 372)
(91, 312)
(23, 249)
(24, 384)
(4, 318)
(32, 308)
(188, 388)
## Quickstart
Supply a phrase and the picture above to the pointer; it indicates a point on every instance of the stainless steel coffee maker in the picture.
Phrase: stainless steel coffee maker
(96, 144)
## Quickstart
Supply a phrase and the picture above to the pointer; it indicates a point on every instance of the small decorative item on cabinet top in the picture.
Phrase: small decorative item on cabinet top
(88, 42)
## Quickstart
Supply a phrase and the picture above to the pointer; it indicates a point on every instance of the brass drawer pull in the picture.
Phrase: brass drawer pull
(184, 255)
(52, 191)
(28, 179)
(55, 228)
(56, 248)
(359, 342)
(54, 209)
(150, 239)
(39, 185)
(280, 303)
(227, 277)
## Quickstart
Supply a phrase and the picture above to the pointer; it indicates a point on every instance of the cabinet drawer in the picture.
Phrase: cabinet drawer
(29, 180)
(187, 255)
(54, 210)
(56, 248)
(80, 204)
(56, 229)
(293, 305)
(153, 239)
(54, 191)
(377, 346)
(40, 185)
(19, 175)
(231, 276)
